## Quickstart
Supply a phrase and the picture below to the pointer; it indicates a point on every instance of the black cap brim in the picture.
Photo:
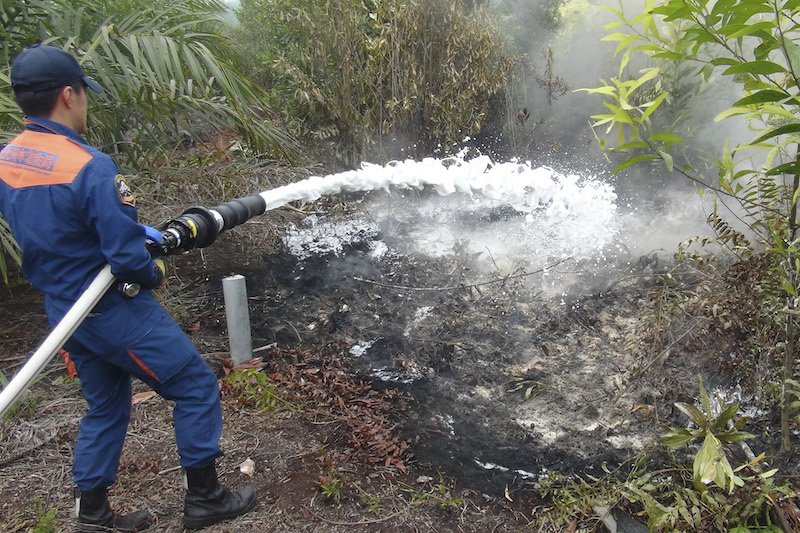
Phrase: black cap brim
(93, 85)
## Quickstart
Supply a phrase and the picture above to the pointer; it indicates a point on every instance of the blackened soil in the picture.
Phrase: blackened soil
(504, 385)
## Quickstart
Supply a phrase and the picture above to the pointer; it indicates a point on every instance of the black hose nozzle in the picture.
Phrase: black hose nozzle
(240, 210)
(199, 227)
(195, 228)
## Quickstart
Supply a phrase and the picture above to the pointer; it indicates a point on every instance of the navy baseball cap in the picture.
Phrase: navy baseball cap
(42, 67)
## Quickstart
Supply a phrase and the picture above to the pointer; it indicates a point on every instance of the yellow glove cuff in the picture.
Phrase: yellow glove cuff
(162, 266)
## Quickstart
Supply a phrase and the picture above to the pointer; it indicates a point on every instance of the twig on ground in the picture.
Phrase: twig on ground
(645, 368)
(264, 348)
(13, 358)
(360, 523)
(299, 338)
(170, 469)
(461, 285)
(25, 453)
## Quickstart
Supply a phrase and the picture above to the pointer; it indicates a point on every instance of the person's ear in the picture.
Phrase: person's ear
(68, 95)
(65, 95)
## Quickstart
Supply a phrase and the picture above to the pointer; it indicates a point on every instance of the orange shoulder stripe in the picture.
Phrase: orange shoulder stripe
(35, 158)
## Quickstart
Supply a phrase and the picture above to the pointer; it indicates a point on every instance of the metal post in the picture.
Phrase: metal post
(234, 290)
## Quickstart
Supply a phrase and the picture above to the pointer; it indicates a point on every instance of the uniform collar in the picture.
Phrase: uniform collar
(44, 125)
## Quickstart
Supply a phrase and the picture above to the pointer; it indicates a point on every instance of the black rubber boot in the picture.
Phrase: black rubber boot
(95, 514)
(207, 502)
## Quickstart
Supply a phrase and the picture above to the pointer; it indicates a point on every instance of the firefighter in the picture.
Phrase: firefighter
(72, 213)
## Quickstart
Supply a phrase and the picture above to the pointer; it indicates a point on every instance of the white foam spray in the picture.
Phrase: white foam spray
(558, 216)
(555, 216)
(524, 188)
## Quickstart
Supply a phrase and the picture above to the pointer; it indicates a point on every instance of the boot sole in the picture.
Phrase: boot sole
(198, 523)
(144, 523)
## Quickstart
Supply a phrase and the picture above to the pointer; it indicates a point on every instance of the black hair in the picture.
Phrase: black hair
(41, 104)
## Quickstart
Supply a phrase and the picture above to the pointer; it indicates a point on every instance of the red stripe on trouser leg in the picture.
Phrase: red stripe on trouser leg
(70, 366)
(143, 366)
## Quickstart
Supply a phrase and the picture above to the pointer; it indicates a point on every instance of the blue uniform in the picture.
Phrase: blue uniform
(72, 213)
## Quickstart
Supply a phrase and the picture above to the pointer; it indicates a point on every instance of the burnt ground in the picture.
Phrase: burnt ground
(480, 380)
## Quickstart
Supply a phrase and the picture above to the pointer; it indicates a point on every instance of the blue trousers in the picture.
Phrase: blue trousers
(124, 338)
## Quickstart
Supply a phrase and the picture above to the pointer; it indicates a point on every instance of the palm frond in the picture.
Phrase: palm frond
(20, 24)
(8, 248)
(167, 69)
(163, 87)
(10, 118)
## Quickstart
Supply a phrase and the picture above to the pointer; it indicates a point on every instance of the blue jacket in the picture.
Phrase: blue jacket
(71, 213)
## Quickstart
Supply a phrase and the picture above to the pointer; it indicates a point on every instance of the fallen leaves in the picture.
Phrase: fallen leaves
(318, 378)
(227, 363)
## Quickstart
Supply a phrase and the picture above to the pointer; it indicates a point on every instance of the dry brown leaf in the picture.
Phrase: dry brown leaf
(256, 363)
(140, 397)
(647, 409)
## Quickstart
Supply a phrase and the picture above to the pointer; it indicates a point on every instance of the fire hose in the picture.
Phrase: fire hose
(197, 227)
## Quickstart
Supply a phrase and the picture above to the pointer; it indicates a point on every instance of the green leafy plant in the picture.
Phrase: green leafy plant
(670, 502)
(252, 388)
(572, 501)
(712, 495)
(793, 389)
(44, 517)
(371, 501)
(751, 46)
(715, 426)
(331, 482)
(666, 498)
(331, 487)
(440, 495)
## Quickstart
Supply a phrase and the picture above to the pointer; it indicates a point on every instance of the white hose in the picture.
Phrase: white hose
(60, 334)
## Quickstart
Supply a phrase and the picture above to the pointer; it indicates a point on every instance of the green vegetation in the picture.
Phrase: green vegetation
(44, 517)
(749, 44)
(744, 53)
(25, 407)
(167, 68)
(8, 248)
(331, 486)
(711, 463)
(367, 78)
(37, 516)
(664, 497)
(252, 388)
(439, 495)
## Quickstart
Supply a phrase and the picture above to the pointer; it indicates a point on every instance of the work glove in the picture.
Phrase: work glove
(158, 270)
(153, 239)
(162, 266)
